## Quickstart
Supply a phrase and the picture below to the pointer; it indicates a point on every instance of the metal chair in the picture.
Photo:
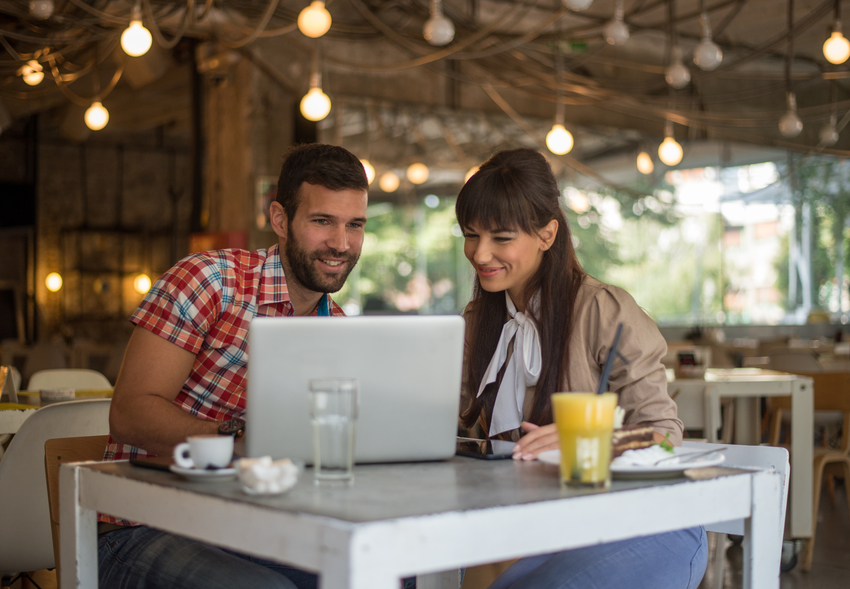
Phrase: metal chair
(26, 544)
(75, 378)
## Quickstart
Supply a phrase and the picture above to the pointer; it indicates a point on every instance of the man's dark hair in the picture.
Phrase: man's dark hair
(330, 166)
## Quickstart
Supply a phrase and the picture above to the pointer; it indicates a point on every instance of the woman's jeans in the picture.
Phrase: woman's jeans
(674, 560)
(140, 557)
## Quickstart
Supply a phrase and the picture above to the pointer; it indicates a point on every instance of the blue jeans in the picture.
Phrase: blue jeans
(143, 558)
(674, 560)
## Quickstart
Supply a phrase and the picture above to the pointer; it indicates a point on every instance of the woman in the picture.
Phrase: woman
(538, 324)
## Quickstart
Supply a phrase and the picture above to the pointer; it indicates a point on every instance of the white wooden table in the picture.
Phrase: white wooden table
(746, 386)
(413, 519)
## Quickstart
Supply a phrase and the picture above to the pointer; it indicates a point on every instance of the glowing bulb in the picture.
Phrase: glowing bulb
(417, 173)
(315, 20)
(41, 9)
(370, 170)
(677, 75)
(670, 152)
(96, 117)
(142, 283)
(136, 39)
(389, 182)
(315, 105)
(836, 49)
(644, 163)
(559, 140)
(578, 4)
(32, 73)
(829, 134)
(472, 171)
(53, 282)
(707, 55)
(790, 124)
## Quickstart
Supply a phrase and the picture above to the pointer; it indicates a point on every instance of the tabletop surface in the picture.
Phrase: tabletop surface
(382, 492)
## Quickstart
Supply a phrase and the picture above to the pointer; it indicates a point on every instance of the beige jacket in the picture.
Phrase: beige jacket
(641, 384)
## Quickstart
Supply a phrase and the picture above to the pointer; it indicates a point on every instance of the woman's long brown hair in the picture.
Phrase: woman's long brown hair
(516, 190)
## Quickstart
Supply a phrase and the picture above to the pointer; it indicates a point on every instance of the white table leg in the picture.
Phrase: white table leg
(747, 421)
(762, 533)
(802, 449)
(711, 411)
(77, 533)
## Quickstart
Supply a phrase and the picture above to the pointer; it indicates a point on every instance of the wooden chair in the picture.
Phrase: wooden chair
(58, 451)
(832, 393)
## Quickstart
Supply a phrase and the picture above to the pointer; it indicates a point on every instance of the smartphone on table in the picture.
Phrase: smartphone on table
(484, 449)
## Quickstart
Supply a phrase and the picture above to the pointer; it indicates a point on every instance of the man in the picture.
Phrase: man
(185, 366)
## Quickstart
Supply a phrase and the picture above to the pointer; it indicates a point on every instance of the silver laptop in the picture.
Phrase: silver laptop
(409, 369)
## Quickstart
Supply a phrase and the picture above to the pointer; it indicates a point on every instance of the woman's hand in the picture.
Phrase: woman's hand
(537, 439)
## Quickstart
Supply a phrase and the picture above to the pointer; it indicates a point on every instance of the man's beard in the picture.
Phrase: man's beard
(301, 264)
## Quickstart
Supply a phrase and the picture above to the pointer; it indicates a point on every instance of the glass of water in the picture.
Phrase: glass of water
(333, 407)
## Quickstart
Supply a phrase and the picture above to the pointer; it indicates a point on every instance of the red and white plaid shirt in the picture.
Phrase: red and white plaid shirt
(205, 304)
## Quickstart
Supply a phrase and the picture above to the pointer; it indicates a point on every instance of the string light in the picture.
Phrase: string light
(96, 116)
(315, 105)
(790, 124)
(142, 283)
(677, 74)
(41, 9)
(389, 182)
(559, 140)
(836, 49)
(578, 4)
(616, 32)
(418, 173)
(829, 133)
(53, 282)
(32, 73)
(315, 20)
(136, 39)
(472, 171)
(438, 29)
(670, 152)
(370, 170)
(644, 163)
(707, 55)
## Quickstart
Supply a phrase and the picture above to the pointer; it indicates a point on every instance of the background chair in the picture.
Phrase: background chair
(832, 396)
(57, 452)
(26, 543)
(75, 378)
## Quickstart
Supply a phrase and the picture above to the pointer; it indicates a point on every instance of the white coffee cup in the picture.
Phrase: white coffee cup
(204, 452)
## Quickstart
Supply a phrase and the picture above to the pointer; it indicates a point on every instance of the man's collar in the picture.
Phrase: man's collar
(273, 287)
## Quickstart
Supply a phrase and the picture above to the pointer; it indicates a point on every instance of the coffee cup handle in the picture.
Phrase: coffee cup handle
(181, 456)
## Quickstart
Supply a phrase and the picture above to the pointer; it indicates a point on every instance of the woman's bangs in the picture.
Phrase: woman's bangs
(490, 204)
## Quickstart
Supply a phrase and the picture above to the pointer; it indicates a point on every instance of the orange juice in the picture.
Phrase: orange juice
(585, 422)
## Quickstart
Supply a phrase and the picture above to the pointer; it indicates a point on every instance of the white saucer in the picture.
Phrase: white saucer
(648, 471)
(197, 474)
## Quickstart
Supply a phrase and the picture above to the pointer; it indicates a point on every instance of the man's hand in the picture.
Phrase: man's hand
(143, 413)
(537, 439)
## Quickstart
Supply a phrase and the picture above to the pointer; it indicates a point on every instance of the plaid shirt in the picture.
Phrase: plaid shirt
(205, 304)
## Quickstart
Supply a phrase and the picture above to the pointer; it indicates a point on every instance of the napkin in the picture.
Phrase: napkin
(262, 476)
(645, 457)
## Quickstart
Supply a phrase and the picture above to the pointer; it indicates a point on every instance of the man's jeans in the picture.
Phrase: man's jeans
(143, 558)
(674, 560)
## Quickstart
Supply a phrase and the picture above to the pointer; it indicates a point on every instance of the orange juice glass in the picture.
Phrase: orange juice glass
(585, 422)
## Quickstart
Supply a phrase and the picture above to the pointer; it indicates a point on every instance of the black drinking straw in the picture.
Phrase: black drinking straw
(606, 369)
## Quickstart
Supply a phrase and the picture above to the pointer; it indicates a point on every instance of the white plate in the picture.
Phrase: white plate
(196, 474)
(643, 471)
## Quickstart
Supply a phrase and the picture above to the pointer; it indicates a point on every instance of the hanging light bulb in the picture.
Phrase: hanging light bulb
(616, 32)
(829, 133)
(315, 105)
(315, 20)
(559, 140)
(677, 74)
(644, 163)
(136, 39)
(32, 73)
(370, 170)
(389, 182)
(438, 29)
(669, 152)
(707, 55)
(836, 49)
(418, 173)
(578, 4)
(41, 9)
(142, 283)
(96, 116)
(790, 124)
(53, 282)
(472, 171)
